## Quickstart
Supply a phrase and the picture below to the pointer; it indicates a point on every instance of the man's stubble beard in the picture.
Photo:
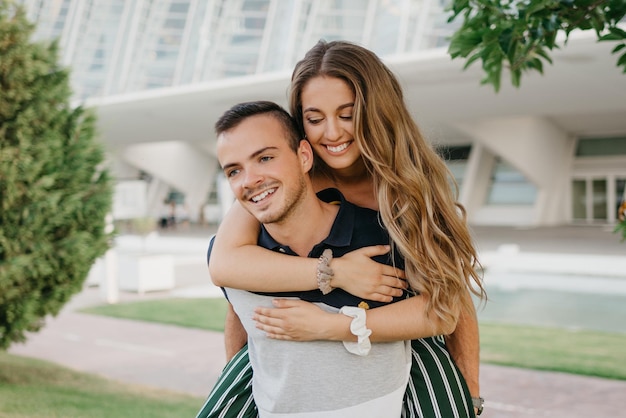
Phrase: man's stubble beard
(290, 207)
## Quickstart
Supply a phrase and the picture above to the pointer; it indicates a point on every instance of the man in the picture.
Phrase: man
(267, 167)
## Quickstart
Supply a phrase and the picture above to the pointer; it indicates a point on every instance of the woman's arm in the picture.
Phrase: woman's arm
(297, 320)
(464, 346)
(236, 261)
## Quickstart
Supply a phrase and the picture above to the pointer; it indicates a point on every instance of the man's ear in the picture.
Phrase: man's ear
(305, 152)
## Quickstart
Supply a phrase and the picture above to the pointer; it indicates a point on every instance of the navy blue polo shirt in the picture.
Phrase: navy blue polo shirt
(354, 227)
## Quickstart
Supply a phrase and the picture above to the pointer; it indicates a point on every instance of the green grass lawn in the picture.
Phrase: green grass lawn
(36, 388)
(572, 351)
(205, 313)
(579, 352)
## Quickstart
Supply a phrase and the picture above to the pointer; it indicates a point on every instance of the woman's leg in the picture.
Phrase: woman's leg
(231, 396)
(436, 387)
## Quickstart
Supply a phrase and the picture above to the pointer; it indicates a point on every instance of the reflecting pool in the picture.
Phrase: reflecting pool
(574, 302)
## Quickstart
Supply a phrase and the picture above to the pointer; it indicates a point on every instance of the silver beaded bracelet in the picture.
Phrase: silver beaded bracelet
(324, 272)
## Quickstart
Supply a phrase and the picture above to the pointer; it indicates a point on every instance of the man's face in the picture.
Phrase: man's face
(265, 174)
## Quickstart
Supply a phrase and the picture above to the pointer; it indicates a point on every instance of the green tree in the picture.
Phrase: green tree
(54, 190)
(518, 34)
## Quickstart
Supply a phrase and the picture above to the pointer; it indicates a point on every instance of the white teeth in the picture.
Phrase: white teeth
(338, 148)
(263, 195)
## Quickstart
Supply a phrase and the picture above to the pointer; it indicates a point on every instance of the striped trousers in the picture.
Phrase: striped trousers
(436, 388)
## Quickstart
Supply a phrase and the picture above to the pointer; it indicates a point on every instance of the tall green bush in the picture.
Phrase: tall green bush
(54, 189)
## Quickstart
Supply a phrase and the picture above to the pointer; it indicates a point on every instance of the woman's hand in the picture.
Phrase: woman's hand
(356, 273)
(296, 320)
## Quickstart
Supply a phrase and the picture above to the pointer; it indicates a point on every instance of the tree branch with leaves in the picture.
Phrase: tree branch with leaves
(520, 34)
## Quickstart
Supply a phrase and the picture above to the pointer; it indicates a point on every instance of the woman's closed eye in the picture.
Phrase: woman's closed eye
(314, 121)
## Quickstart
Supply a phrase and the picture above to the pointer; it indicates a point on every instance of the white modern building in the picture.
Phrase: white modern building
(160, 72)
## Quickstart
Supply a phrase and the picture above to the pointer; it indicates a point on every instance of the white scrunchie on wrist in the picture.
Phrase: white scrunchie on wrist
(357, 327)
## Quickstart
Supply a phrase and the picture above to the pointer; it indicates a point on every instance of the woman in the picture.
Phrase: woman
(350, 106)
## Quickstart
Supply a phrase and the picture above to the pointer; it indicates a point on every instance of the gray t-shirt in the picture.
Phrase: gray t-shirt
(321, 379)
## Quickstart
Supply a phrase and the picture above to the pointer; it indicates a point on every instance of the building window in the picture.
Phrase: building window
(601, 147)
(509, 186)
(599, 199)
(579, 199)
(176, 196)
(620, 191)
(456, 159)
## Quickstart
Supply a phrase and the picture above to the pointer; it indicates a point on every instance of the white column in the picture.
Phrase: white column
(538, 149)
(476, 180)
(109, 286)
(179, 164)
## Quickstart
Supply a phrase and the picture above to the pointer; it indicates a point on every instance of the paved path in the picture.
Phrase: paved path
(189, 360)
(170, 357)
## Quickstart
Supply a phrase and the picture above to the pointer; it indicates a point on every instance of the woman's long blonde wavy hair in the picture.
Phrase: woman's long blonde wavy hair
(417, 204)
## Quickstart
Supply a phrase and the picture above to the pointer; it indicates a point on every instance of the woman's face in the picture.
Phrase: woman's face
(327, 109)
